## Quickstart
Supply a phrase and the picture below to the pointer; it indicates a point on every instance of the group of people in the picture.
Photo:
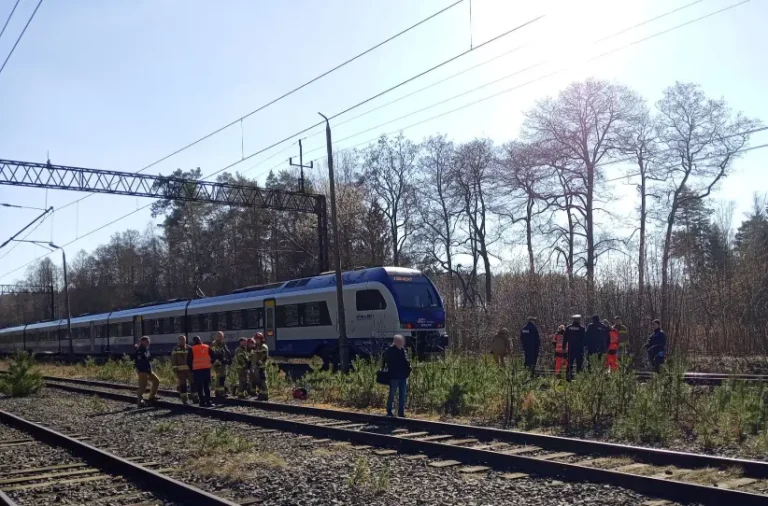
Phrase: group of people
(195, 365)
(599, 341)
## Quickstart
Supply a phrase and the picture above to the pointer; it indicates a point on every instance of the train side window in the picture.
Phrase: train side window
(114, 330)
(85, 332)
(96, 331)
(254, 318)
(314, 313)
(206, 322)
(236, 320)
(193, 323)
(176, 324)
(370, 300)
(287, 316)
(104, 330)
(222, 322)
(126, 329)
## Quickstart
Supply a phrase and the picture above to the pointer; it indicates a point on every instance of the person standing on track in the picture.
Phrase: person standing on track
(199, 361)
(399, 367)
(143, 362)
(500, 346)
(259, 357)
(221, 359)
(561, 350)
(241, 363)
(529, 337)
(573, 340)
(180, 368)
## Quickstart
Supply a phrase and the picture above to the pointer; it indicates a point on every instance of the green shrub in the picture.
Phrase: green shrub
(23, 377)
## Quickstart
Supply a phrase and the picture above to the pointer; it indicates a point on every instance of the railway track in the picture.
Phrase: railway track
(679, 476)
(41, 466)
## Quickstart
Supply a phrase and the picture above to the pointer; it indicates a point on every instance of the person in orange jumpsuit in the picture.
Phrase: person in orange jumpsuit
(612, 358)
(561, 350)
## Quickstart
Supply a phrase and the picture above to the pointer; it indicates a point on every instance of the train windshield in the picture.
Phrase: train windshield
(416, 294)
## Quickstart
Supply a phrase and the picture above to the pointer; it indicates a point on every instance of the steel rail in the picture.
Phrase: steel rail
(655, 456)
(101, 459)
(668, 489)
(5, 500)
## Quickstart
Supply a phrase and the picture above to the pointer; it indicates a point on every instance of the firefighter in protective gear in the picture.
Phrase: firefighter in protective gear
(221, 359)
(181, 369)
(241, 363)
(259, 367)
(612, 357)
(561, 350)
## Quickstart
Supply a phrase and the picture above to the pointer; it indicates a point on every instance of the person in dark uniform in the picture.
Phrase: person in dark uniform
(596, 339)
(656, 346)
(529, 337)
(574, 342)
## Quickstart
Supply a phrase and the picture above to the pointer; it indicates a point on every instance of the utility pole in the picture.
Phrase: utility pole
(342, 317)
(301, 166)
(66, 300)
(53, 247)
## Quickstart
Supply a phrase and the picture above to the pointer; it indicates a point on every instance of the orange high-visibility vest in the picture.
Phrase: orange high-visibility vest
(560, 350)
(201, 358)
(613, 344)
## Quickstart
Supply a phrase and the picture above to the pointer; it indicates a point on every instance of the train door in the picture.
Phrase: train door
(270, 326)
(136, 329)
(361, 313)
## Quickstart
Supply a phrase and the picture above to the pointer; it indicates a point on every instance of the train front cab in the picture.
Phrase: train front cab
(421, 314)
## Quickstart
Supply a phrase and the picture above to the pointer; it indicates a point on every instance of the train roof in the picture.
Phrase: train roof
(155, 309)
(321, 281)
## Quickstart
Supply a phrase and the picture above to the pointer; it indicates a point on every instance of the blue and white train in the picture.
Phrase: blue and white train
(298, 318)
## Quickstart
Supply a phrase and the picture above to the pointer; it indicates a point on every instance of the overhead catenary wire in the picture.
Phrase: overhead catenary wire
(382, 93)
(513, 88)
(277, 99)
(657, 34)
(18, 39)
(506, 53)
(485, 85)
(8, 20)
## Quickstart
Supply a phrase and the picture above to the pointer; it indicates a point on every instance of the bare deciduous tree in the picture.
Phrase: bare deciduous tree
(389, 169)
(701, 139)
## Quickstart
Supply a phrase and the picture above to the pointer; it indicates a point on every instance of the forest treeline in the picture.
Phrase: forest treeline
(603, 203)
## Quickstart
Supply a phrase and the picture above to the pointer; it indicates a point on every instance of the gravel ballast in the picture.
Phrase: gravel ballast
(70, 485)
(242, 462)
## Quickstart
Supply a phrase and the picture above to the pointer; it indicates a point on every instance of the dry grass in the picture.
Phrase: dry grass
(237, 468)
(712, 476)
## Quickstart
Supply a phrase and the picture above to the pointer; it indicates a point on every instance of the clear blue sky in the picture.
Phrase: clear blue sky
(117, 85)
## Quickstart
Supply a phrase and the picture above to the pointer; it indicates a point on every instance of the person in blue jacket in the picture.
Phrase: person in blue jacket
(656, 347)
(529, 337)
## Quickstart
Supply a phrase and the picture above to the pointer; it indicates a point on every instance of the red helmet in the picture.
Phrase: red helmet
(258, 336)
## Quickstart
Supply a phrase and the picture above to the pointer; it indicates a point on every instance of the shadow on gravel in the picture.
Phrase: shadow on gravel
(110, 412)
